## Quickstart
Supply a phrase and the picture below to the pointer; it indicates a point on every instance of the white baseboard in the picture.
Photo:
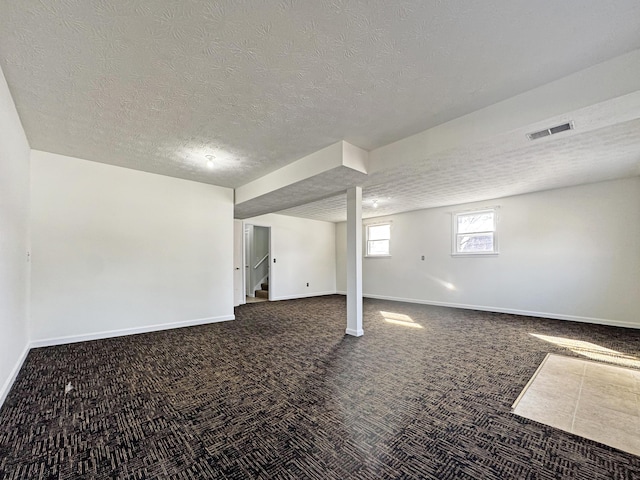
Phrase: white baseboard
(527, 313)
(304, 295)
(4, 391)
(48, 342)
(340, 292)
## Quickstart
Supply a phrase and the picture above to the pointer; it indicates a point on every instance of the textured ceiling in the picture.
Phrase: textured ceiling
(157, 85)
(493, 170)
(323, 185)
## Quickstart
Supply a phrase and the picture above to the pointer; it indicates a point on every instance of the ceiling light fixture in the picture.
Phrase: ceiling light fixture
(375, 204)
(209, 160)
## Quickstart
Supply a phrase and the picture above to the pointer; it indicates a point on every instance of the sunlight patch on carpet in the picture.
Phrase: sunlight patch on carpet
(592, 351)
(399, 319)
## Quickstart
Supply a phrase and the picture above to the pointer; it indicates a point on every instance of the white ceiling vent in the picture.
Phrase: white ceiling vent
(550, 131)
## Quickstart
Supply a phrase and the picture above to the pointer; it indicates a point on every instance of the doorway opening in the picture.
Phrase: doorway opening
(257, 254)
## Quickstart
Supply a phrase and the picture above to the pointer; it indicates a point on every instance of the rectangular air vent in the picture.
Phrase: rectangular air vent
(540, 134)
(550, 131)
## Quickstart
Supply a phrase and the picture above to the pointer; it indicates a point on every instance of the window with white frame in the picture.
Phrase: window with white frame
(378, 238)
(474, 233)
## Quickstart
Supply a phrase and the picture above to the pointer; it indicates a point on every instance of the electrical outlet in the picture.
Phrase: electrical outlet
(307, 284)
(422, 257)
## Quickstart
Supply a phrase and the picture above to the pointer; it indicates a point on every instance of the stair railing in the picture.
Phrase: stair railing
(263, 259)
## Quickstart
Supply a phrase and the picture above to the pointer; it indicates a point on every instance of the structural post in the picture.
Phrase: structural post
(354, 261)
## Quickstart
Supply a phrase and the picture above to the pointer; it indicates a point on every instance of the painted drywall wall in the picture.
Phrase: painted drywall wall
(14, 240)
(571, 253)
(341, 257)
(304, 251)
(118, 251)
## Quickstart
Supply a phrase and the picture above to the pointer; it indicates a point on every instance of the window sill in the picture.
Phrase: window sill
(491, 254)
(377, 256)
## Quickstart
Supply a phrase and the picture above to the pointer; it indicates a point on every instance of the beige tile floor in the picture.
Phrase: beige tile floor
(590, 399)
(256, 299)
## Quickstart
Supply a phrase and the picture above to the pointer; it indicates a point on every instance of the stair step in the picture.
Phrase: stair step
(262, 293)
(264, 286)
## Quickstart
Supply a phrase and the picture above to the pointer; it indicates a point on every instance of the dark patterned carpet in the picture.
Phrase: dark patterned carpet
(282, 393)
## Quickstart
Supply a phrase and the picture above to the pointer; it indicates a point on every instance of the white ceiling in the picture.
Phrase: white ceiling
(492, 171)
(156, 86)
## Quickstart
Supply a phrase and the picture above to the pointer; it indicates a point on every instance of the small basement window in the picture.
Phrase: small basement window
(474, 233)
(378, 238)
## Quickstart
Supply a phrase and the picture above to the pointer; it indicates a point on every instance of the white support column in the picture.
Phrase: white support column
(354, 262)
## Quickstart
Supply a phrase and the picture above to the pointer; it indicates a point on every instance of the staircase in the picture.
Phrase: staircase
(264, 292)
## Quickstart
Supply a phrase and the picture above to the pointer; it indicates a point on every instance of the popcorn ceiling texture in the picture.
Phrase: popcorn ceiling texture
(155, 86)
(309, 190)
(492, 171)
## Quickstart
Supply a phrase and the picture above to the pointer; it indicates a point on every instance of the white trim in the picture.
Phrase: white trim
(454, 232)
(341, 292)
(513, 311)
(48, 342)
(355, 333)
(303, 295)
(526, 387)
(367, 241)
(6, 388)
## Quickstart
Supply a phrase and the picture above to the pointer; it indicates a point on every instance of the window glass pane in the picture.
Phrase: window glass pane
(379, 232)
(378, 247)
(475, 242)
(475, 222)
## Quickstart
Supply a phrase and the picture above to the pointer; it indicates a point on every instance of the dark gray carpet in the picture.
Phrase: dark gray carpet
(282, 393)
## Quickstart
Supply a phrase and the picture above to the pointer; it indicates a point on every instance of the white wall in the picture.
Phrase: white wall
(304, 251)
(14, 216)
(570, 253)
(118, 251)
(341, 255)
